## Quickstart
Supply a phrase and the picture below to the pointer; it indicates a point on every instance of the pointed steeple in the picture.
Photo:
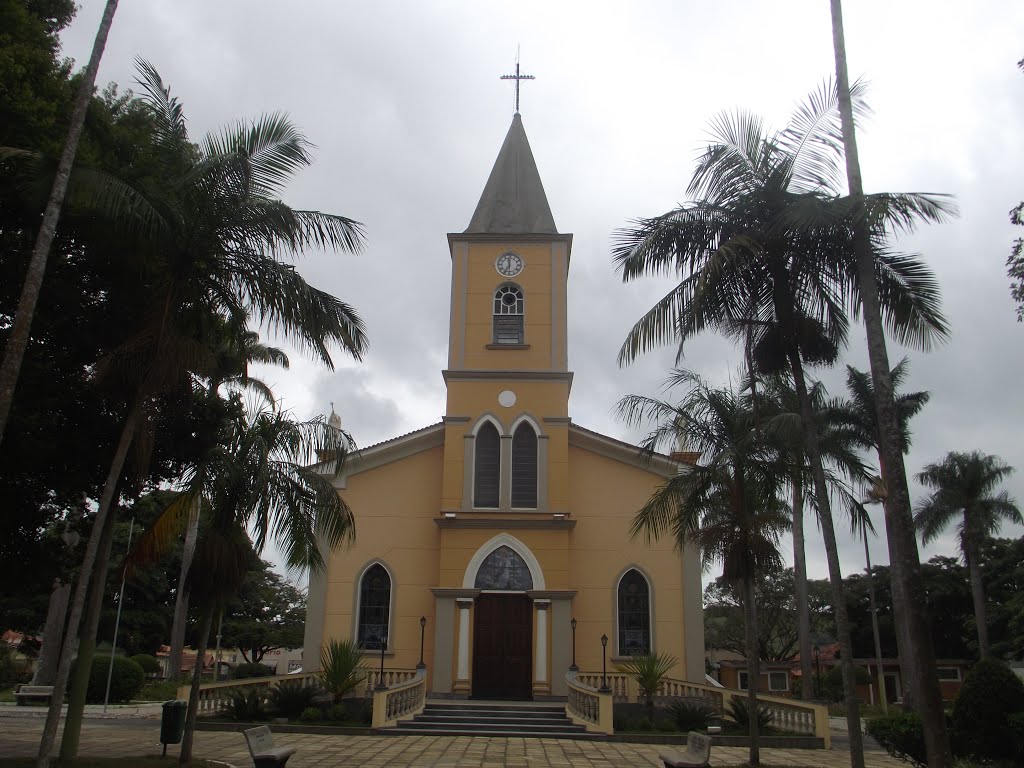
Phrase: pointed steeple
(513, 201)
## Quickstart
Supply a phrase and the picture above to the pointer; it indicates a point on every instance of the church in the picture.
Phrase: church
(494, 546)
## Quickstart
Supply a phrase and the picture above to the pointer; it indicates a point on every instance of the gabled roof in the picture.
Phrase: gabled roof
(513, 201)
(626, 453)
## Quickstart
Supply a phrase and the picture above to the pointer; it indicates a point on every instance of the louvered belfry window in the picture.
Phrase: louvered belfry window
(524, 467)
(487, 467)
(508, 315)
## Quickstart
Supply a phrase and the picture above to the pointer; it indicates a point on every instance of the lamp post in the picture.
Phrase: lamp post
(573, 667)
(817, 663)
(604, 665)
(383, 645)
(423, 624)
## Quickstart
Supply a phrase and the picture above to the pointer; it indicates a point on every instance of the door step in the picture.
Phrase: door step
(492, 719)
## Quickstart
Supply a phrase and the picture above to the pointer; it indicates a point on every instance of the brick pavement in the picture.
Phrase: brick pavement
(126, 738)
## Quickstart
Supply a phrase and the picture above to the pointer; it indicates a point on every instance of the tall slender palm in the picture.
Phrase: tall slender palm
(862, 418)
(964, 492)
(905, 563)
(729, 507)
(768, 236)
(210, 231)
(14, 352)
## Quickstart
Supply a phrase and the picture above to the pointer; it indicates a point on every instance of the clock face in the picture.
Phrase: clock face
(509, 264)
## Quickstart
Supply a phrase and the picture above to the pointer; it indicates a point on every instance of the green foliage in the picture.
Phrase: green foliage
(355, 711)
(126, 679)
(311, 715)
(268, 613)
(290, 698)
(149, 664)
(649, 670)
(902, 736)
(247, 706)
(245, 671)
(690, 715)
(740, 713)
(341, 667)
(981, 725)
(11, 672)
(159, 690)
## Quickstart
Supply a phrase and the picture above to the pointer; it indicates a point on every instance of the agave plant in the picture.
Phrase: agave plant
(649, 670)
(341, 667)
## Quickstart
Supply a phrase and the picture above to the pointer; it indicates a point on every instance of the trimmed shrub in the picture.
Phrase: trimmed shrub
(311, 715)
(247, 706)
(690, 715)
(289, 699)
(247, 670)
(149, 664)
(741, 715)
(902, 736)
(353, 711)
(126, 680)
(981, 725)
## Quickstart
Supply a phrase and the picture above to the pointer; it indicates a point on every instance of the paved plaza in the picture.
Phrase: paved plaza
(19, 737)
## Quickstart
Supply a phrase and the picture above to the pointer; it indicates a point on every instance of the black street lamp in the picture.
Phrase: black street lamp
(573, 667)
(604, 665)
(383, 644)
(423, 624)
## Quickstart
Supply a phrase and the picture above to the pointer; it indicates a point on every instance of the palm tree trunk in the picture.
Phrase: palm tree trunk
(82, 587)
(973, 556)
(874, 628)
(205, 623)
(18, 341)
(87, 644)
(904, 650)
(753, 667)
(803, 611)
(53, 634)
(899, 521)
(181, 594)
(835, 575)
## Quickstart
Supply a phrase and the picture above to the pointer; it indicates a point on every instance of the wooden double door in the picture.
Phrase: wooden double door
(503, 647)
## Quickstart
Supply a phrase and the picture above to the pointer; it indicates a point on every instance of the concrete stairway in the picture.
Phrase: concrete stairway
(492, 718)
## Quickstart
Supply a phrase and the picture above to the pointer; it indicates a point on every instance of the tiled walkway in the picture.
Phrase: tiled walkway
(139, 737)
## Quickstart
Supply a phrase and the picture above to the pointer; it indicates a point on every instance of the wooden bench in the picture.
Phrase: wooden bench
(264, 753)
(697, 754)
(27, 693)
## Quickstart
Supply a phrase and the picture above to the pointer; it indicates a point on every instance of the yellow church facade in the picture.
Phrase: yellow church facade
(506, 521)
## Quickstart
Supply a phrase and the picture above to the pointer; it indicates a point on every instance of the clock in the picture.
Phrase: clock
(509, 264)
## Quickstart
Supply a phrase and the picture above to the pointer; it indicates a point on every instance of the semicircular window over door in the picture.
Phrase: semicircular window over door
(504, 569)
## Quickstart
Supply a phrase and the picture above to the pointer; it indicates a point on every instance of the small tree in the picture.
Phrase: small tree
(991, 693)
(341, 668)
(649, 670)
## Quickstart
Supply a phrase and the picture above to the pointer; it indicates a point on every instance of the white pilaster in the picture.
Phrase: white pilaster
(540, 662)
(462, 671)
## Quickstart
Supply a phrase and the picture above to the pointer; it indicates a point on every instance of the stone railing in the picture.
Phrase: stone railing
(399, 701)
(215, 697)
(791, 715)
(390, 677)
(588, 706)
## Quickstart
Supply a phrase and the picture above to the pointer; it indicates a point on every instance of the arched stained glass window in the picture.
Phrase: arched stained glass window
(508, 314)
(374, 607)
(487, 466)
(504, 568)
(634, 613)
(524, 467)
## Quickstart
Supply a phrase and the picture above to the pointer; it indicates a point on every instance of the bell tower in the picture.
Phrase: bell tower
(507, 347)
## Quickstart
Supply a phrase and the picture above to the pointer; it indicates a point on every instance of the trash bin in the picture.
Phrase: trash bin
(172, 722)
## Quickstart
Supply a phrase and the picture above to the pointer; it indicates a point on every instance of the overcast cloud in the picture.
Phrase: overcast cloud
(404, 103)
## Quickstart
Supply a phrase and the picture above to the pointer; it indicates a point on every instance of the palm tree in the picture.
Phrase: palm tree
(18, 341)
(212, 230)
(769, 238)
(862, 418)
(905, 563)
(963, 491)
(271, 476)
(728, 507)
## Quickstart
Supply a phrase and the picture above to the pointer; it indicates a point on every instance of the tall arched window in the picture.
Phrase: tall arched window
(634, 614)
(374, 608)
(508, 315)
(486, 466)
(524, 467)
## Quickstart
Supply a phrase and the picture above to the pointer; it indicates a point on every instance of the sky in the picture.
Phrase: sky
(405, 106)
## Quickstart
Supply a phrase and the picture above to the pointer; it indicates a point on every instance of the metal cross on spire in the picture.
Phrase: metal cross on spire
(517, 77)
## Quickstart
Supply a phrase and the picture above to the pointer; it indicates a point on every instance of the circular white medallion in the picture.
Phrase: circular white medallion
(506, 398)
